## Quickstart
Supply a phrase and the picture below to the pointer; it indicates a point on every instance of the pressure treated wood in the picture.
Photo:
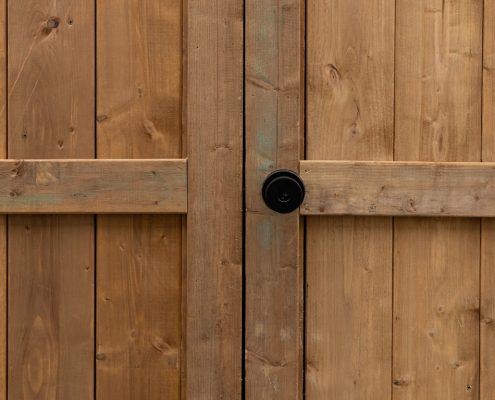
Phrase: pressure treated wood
(93, 187)
(436, 261)
(274, 273)
(398, 188)
(141, 275)
(3, 219)
(139, 63)
(487, 276)
(214, 123)
(487, 314)
(488, 61)
(350, 89)
(436, 307)
(3, 309)
(51, 345)
(51, 115)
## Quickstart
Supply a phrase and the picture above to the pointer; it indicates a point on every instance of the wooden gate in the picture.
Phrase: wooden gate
(138, 257)
(131, 305)
(353, 298)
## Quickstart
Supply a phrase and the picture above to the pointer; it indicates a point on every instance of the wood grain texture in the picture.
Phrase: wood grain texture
(436, 262)
(488, 81)
(274, 273)
(487, 278)
(51, 307)
(141, 296)
(487, 315)
(350, 55)
(336, 370)
(3, 309)
(51, 79)
(51, 115)
(350, 69)
(93, 187)
(398, 188)
(3, 219)
(436, 306)
(438, 80)
(139, 54)
(214, 123)
(139, 79)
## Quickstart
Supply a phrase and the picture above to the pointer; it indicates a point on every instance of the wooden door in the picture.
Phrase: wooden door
(122, 125)
(138, 257)
(381, 285)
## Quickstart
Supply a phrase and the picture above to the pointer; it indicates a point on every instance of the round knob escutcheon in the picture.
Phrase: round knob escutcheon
(283, 191)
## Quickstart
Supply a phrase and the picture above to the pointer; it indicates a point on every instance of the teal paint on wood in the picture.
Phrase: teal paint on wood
(265, 233)
(273, 133)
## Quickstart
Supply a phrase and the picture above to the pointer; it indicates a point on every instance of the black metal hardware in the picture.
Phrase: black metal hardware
(283, 191)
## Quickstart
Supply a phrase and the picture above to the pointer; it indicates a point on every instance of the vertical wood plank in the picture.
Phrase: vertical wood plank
(274, 126)
(50, 263)
(487, 312)
(488, 139)
(436, 262)
(3, 219)
(139, 258)
(51, 307)
(214, 119)
(138, 306)
(3, 305)
(487, 331)
(350, 92)
(436, 305)
(438, 78)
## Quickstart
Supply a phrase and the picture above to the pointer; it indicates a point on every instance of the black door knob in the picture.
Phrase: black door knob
(283, 191)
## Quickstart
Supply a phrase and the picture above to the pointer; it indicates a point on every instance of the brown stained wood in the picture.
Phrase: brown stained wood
(488, 81)
(93, 187)
(436, 306)
(214, 120)
(487, 314)
(139, 78)
(51, 79)
(398, 188)
(139, 63)
(50, 307)
(487, 277)
(145, 350)
(3, 219)
(3, 309)
(352, 290)
(274, 273)
(438, 80)
(350, 69)
(350, 89)
(436, 262)
(51, 115)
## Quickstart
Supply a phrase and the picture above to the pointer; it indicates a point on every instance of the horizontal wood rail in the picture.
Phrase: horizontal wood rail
(93, 186)
(398, 188)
